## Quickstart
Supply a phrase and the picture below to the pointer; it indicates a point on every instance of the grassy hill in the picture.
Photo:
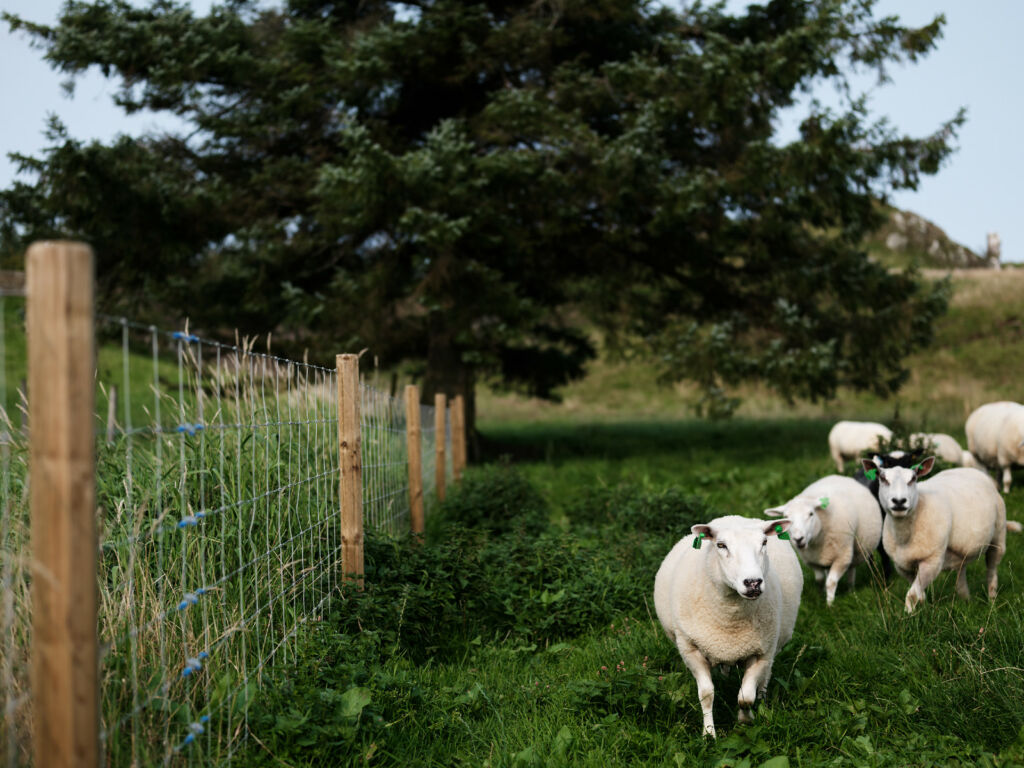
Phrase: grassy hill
(975, 358)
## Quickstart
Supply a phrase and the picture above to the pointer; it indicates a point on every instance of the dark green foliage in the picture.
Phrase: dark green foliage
(666, 511)
(430, 601)
(491, 582)
(329, 703)
(497, 498)
(475, 185)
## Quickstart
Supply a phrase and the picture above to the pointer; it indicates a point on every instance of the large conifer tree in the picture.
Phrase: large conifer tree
(476, 185)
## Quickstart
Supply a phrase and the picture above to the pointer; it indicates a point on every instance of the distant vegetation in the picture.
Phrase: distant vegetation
(975, 358)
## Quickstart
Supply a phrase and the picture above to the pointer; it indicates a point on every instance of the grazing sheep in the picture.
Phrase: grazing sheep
(848, 439)
(940, 525)
(729, 593)
(870, 481)
(834, 524)
(942, 445)
(969, 460)
(995, 436)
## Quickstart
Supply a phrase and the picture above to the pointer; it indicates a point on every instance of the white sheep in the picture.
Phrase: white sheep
(732, 599)
(942, 445)
(940, 525)
(848, 439)
(995, 435)
(834, 524)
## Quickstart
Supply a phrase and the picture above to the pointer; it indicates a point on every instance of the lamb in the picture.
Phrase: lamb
(848, 439)
(995, 436)
(945, 447)
(834, 524)
(941, 524)
(728, 593)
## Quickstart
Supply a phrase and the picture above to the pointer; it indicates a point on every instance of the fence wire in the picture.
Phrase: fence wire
(217, 490)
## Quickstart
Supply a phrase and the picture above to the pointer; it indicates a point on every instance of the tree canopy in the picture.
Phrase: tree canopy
(482, 186)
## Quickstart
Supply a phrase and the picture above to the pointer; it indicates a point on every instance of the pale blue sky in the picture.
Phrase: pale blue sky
(975, 66)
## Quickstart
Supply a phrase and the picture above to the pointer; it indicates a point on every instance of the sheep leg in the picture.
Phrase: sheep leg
(961, 582)
(699, 667)
(834, 574)
(851, 577)
(838, 459)
(994, 554)
(755, 680)
(819, 574)
(1007, 479)
(886, 562)
(927, 570)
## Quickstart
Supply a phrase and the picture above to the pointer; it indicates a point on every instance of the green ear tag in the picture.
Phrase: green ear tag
(871, 474)
(916, 467)
(698, 541)
(782, 534)
(824, 502)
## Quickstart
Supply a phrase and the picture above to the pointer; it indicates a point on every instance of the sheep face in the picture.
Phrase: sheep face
(741, 554)
(804, 518)
(897, 486)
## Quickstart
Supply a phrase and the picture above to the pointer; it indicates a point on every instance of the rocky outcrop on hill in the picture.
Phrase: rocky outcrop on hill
(910, 234)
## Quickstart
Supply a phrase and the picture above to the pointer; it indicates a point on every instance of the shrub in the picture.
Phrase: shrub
(628, 507)
(491, 580)
(496, 498)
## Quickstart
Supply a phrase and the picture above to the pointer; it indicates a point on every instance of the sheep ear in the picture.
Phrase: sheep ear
(707, 530)
(775, 512)
(869, 464)
(925, 466)
(778, 528)
(701, 532)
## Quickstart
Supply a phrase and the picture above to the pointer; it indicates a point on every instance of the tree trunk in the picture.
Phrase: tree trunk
(447, 373)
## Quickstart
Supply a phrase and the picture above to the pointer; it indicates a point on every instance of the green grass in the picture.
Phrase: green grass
(136, 389)
(522, 633)
(494, 647)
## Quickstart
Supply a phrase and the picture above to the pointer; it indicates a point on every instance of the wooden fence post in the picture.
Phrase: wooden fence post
(351, 466)
(458, 437)
(440, 436)
(61, 360)
(412, 438)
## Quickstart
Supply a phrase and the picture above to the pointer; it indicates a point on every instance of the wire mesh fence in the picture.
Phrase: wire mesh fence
(217, 481)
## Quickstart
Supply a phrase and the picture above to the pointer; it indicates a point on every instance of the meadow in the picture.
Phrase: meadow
(523, 633)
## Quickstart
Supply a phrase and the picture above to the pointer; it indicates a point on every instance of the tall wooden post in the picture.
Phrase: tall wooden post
(413, 440)
(458, 437)
(440, 436)
(61, 361)
(351, 465)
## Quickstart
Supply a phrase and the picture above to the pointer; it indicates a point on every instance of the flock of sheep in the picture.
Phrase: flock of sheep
(729, 592)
